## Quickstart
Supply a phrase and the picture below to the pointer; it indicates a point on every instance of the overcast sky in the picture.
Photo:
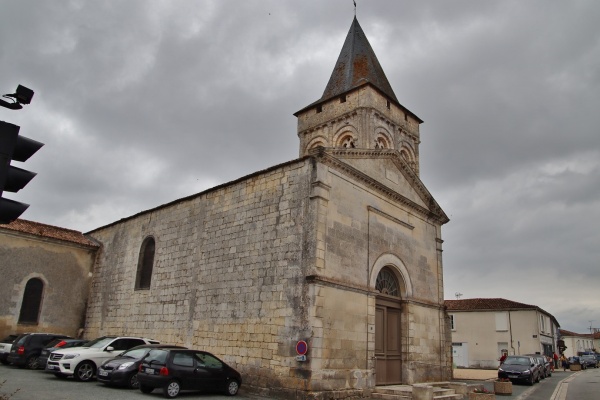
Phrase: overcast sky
(143, 102)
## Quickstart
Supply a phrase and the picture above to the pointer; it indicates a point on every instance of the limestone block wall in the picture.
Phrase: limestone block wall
(361, 227)
(339, 355)
(65, 270)
(365, 114)
(228, 275)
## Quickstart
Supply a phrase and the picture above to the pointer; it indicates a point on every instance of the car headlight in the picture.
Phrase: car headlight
(526, 372)
(70, 356)
(126, 365)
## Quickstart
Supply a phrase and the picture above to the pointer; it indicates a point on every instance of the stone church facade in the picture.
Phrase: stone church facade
(340, 248)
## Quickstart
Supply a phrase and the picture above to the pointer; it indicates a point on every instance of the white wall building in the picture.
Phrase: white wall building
(482, 329)
(577, 343)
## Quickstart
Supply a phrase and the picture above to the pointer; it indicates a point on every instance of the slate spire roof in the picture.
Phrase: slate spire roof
(357, 65)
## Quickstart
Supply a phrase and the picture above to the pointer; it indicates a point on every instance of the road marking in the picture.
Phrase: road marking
(560, 393)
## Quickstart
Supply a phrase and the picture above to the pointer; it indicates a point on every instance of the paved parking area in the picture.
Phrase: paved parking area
(28, 385)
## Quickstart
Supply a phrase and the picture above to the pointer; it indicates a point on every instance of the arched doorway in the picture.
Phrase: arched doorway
(388, 328)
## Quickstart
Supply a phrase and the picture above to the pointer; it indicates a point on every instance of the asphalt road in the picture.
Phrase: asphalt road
(33, 385)
(40, 385)
(584, 385)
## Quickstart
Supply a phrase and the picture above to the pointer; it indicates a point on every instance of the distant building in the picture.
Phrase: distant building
(482, 329)
(45, 273)
(578, 343)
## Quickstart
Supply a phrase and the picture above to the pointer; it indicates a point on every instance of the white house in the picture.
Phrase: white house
(577, 343)
(482, 329)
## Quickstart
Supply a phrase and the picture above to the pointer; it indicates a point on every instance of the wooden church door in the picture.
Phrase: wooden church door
(388, 335)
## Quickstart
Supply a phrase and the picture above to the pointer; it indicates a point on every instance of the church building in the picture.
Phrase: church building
(336, 255)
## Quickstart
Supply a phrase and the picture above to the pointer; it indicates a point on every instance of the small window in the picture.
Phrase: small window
(501, 321)
(183, 359)
(388, 104)
(387, 283)
(208, 361)
(452, 326)
(343, 98)
(145, 264)
(32, 301)
(319, 109)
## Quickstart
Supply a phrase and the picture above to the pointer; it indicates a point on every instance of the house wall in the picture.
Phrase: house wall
(482, 334)
(65, 269)
(577, 344)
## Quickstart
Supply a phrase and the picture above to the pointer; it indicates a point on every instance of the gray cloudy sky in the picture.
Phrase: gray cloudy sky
(143, 102)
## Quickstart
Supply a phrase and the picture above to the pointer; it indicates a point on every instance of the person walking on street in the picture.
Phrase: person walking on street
(555, 359)
(504, 354)
(564, 362)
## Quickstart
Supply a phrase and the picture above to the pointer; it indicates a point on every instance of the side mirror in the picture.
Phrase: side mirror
(109, 348)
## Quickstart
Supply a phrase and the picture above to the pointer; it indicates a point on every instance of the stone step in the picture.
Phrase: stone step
(387, 396)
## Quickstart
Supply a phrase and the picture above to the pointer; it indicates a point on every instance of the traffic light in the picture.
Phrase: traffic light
(13, 179)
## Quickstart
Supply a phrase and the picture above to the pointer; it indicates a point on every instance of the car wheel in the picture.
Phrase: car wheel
(85, 371)
(531, 380)
(172, 389)
(146, 389)
(59, 375)
(4, 362)
(133, 382)
(32, 362)
(232, 388)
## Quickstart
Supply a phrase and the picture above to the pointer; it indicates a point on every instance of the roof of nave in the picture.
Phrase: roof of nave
(492, 304)
(48, 231)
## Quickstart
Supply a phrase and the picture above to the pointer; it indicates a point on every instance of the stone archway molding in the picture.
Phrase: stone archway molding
(392, 261)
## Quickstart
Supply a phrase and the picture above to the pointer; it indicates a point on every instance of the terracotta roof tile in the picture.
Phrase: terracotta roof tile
(480, 304)
(564, 332)
(48, 231)
(484, 304)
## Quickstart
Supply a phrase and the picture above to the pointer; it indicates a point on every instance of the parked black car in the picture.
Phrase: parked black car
(123, 370)
(545, 368)
(55, 345)
(27, 348)
(589, 360)
(5, 345)
(519, 368)
(174, 370)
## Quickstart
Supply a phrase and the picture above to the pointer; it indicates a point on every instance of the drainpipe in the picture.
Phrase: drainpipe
(510, 332)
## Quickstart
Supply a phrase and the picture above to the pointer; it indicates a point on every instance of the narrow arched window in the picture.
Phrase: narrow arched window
(145, 263)
(387, 283)
(32, 302)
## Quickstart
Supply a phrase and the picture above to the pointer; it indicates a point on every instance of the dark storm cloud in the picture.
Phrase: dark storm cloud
(143, 102)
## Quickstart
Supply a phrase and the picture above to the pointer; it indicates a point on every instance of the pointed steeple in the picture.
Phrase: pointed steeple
(357, 65)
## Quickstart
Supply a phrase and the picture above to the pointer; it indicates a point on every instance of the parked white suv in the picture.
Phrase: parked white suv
(82, 362)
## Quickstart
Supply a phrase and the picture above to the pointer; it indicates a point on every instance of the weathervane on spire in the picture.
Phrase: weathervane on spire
(354, 1)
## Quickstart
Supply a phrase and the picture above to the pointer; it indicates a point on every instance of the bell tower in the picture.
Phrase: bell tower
(358, 108)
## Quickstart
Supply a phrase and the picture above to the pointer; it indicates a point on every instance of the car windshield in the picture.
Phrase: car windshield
(100, 342)
(136, 353)
(517, 361)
